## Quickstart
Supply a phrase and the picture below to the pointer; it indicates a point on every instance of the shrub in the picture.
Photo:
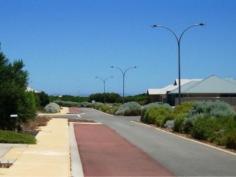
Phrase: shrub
(213, 108)
(67, 103)
(129, 109)
(151, 105)
(107, 97)
(183, 108)
(52, 108)
(77, 99)
(158, 115)
(13, 137)
(142, 99)
(205, 128)
(85, 104)
(228, 137)
(178, 122)
(180, 114)
(43, 98)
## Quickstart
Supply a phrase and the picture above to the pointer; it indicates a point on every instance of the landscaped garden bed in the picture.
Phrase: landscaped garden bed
(208, 121)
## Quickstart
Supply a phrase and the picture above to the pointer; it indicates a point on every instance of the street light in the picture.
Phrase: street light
(178, 40)
(123, 72)
(104, 80)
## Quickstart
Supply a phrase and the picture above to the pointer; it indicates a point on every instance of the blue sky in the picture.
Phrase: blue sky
(65, 44)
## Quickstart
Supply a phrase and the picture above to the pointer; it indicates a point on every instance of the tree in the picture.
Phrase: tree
(108, 97)
(13, 96)
(43, 98)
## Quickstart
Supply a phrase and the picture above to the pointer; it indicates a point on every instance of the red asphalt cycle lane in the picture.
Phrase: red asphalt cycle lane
(105, 153)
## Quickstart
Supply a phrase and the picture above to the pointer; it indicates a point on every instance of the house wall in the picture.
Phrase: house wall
(228, 98)
(157, 98)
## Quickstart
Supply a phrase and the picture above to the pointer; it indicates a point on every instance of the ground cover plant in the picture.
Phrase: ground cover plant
(129, 109)
(14, 137)
(213, 121)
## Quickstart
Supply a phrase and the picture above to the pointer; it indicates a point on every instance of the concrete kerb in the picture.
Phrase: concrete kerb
(76, 165)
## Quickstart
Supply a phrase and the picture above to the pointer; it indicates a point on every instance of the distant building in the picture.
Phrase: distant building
(210, 88)
(29, 89)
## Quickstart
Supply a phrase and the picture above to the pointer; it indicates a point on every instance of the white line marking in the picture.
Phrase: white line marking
(188, 139)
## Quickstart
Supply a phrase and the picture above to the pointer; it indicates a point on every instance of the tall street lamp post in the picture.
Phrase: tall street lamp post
(123, 72)
(104, 80)
(178, 40)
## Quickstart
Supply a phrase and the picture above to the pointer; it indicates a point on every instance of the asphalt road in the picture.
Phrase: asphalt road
(180, 156)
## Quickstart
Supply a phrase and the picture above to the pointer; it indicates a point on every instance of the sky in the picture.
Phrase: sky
(65, 44)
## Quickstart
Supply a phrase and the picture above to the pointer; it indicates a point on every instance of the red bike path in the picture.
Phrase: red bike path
(105, 153)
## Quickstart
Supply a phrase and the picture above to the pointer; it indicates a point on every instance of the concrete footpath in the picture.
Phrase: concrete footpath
(104, 153)
(50, 157)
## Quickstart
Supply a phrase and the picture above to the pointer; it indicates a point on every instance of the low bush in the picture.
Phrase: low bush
(227, 135)
(85, 104)
(129, 109)
(158, 115)
(107, 97)
(13, 137)
(142, 99)
(52, 108)
(205, 128)
(178, 122)
(151, 105)
(67, 103)
(213, 108)
(32, 126)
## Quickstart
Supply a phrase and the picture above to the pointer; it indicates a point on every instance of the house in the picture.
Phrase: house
(160, 95)
(210, 88)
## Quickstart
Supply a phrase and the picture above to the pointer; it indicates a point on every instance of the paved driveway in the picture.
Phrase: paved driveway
(182, 157)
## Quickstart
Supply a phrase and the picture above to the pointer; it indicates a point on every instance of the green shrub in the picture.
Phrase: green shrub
(180, 114)
(205, 128)
(150, 105)
(183, 108)
(52, 108)
(43, 98)
(27, 108)
(13, 137)
(129, 109)
(179, 120)
(142, 99)
(67, 103)
(107, 97)
(85, 104)
(228, 136)
(158, 115)
(213, 108)
(77, 99)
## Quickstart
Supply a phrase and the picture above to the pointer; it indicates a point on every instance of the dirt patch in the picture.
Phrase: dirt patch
(32, 126)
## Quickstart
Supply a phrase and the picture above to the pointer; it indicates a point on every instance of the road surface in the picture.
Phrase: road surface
(180, 156)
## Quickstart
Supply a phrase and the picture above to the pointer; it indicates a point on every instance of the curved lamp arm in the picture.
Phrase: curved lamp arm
(168, 29)
(188, 28)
